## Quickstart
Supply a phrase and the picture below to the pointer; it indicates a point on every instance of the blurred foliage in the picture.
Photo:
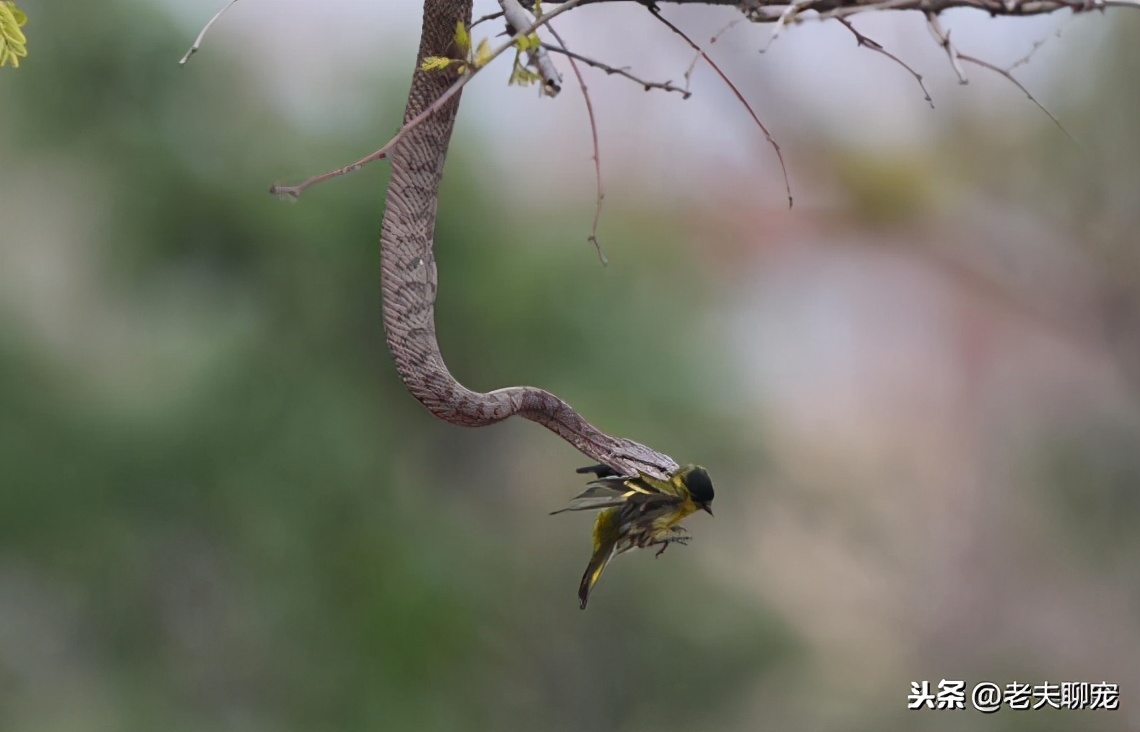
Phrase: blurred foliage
(13, 43)
(1085, 186)
(1088, 466)
(885, 188)
(219, 509)
(1093, 474)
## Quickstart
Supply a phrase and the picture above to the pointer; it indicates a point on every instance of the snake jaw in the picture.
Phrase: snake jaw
(645, 460)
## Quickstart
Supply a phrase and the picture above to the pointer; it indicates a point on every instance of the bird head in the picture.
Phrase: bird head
(699, 485)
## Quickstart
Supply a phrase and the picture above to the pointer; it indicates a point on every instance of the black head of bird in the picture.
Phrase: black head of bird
(700, 487)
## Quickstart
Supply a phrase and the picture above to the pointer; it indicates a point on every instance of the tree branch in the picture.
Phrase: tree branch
(295, 191)
(656, 12)
(572, 57)
(647, 85)
(769, 11)
(874, 45)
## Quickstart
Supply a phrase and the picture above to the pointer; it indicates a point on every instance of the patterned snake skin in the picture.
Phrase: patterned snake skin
(408, 277)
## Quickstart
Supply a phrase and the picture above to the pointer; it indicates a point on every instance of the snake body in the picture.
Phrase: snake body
(409, 283)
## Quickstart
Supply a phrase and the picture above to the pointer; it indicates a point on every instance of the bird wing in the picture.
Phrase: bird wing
(601, 471)
(599, 494)
(614, 492)
(674, 487)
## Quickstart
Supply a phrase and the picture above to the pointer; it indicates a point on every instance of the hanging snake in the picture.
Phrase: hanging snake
(409, 283)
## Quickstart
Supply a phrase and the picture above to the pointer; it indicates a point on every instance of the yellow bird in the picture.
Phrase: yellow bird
(637, 512)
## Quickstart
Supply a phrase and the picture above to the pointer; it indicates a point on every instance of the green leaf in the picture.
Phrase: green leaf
(436, 63)
(12, 39)
(521, 75)
(482, 54)
(528, 43)
(462, 38)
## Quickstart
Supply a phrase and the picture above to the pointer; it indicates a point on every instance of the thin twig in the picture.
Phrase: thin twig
(593, 237)
(1025, 59)
(844, 10)
(519, 17)
(943, 39)
(656, 12)
(1036, 45)
(770, 11)
(647, 85)
(485, 18)
(202, 34)
(1019, 85)
(874, 45)
(790, 14)
(297, 190)
(727, 27)
(714, 39)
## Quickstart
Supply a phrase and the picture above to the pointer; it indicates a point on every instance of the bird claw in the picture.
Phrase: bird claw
(682, 540)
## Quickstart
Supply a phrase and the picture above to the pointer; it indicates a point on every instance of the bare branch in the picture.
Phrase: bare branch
(1019, 85)
(714, 39)
(593, 237)
(1036, 45)
(791, 13)
(647, 85)
(943, 39)
(724, 77)
(874, 45)
(769, 11)
(778, 11)
(485, 18)
(202, 34)
(297, 190)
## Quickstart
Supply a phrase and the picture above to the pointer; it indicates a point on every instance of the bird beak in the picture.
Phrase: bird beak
(707, 508)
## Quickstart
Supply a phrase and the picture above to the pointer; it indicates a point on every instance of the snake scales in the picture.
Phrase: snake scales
(408, 276)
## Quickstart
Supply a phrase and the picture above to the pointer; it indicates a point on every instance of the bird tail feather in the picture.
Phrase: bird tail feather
(602, 556)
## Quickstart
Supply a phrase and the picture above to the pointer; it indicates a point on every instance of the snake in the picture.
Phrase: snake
(409, 281)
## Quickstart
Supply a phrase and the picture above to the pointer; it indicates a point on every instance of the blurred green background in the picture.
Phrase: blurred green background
(219, 510)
